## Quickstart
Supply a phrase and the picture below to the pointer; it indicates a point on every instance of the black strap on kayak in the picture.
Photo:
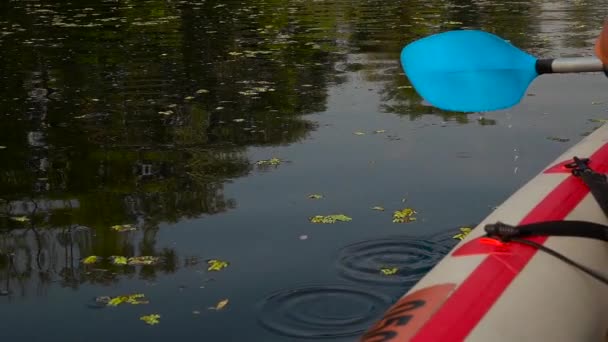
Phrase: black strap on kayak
(598, 186)
(596, 182)
(582, 229)
(508, 233)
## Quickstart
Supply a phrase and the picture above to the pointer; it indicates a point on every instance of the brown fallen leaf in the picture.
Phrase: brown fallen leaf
(220, 305)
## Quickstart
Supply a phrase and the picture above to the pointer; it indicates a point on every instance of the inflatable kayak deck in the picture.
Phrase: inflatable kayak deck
(486, 289)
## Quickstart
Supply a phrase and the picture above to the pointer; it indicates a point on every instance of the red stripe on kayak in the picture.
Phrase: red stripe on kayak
(463, 310)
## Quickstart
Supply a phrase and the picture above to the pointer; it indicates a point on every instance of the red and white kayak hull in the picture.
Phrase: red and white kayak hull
(487, 291)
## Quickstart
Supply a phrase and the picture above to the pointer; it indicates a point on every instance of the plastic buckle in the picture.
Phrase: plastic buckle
(579, 166)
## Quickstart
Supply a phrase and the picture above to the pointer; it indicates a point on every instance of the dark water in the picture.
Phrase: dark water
(155, 114)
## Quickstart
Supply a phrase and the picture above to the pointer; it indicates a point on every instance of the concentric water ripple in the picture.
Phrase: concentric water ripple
(411, 257)
(322, 311)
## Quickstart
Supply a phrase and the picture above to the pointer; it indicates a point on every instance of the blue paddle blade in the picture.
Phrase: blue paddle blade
(468, 70)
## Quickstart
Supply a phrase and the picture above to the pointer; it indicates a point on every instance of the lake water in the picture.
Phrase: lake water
(164, 117)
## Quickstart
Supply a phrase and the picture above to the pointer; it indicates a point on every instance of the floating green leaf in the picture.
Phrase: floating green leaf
(90, 259)
(464, 231)
(216, 265)
(272, 161)
(315, 196)
(134, 299)
(389, 270)
(330, 218)
(123, 227)
(20, 218)
(151, 319)
(119, 260)
(142, 260)
(404, 216)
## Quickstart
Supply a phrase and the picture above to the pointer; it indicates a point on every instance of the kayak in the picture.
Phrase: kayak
(492, 289)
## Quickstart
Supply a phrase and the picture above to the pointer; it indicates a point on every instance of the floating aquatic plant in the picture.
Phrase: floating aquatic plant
(464, 231)
(151, 319)
(142, 260)
(389, 270)
(119, 260)
(91, 259)
(216, 265)
(123, 227)
(330, 218)
(404, 216)
(272, 161)
(133, 299)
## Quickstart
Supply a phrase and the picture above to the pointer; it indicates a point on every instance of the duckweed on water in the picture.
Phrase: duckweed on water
(151, 319)
(133, 299)
(330, 218)
(91, 259)
(143, 260)
(269, 162)
(389, 270)
(404, 216)
(464, 231)
(119, 260)
(216, 265)
(123, 227)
